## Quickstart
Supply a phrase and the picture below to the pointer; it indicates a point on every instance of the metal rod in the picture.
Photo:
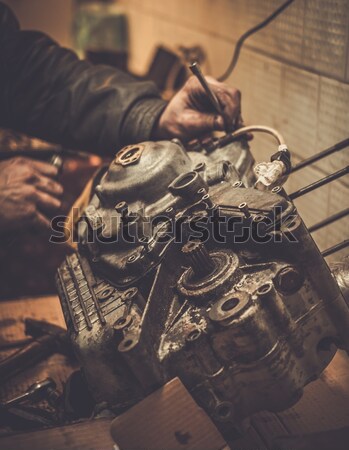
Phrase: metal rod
(319, 183)
(78, 292)
(195, 68)
(336, 248)
(93, 295)
(329, 220)
(335, 148)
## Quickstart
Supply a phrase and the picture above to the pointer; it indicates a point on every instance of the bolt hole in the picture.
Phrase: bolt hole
(105, 294)
(121, 321)
(185, 180)
(129, 154)
(193, 335)
(264, 289)
(200, 166)
(128, 343)
(230, 304)
(131, 293)
(120, 205)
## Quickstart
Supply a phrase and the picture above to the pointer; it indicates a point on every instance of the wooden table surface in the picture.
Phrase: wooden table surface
(324, 405)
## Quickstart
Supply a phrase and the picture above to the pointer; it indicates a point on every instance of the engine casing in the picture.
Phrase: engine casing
(245, 316)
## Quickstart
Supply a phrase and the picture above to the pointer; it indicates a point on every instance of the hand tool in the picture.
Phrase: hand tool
(38, 391)
(195, 68)
(48, 339)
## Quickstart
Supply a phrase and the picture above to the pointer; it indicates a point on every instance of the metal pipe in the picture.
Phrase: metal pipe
(334, 176)
(259, 129)
(335, 248)
(335, 148)
(328, 220)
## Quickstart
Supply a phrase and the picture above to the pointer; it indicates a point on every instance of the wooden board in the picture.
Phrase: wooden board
(168, 418)
(88, 435)
(12, 315)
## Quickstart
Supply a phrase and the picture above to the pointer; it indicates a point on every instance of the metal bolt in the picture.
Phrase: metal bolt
(258, 218)
(288, 280)
(206, 199)
(122, 208)
(244, 208)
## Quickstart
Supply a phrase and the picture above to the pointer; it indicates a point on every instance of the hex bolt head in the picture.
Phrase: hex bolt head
(288, 280)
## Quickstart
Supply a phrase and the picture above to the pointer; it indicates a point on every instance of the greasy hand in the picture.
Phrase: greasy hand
(28, 193)
(190, 114)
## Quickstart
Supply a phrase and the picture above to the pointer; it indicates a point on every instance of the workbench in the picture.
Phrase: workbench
(324, 405)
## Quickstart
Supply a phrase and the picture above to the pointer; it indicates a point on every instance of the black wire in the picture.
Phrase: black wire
(335, 248)
(249, 33)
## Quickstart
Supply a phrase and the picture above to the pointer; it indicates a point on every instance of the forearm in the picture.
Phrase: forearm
(48, 92)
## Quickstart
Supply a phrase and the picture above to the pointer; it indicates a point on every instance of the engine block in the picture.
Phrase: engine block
(185, 269)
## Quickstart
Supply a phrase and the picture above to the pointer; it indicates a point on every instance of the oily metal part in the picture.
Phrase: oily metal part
(244, 323)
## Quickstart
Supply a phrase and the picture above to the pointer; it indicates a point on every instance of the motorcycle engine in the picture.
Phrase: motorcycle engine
(185, 269)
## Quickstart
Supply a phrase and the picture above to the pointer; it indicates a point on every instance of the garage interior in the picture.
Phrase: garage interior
(220, 345)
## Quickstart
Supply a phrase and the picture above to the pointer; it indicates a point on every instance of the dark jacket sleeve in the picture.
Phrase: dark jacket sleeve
(46, 91)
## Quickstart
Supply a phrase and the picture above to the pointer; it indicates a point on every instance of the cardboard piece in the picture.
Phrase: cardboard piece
(167, 419)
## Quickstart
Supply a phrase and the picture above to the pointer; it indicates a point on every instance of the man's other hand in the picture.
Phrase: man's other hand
(190, 113)
(28, 193)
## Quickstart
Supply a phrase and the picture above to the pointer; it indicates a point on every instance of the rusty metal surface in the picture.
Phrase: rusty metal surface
(245, 335)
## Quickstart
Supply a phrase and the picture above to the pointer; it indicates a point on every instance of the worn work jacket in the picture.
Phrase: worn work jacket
(46, 91)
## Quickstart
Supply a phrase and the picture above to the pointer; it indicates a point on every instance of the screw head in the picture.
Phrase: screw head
(288, 280)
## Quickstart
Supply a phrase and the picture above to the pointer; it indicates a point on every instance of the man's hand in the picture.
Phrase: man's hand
(28, 193)
(190, 114)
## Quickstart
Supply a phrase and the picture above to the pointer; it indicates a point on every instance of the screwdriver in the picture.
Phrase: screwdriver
(196, 70)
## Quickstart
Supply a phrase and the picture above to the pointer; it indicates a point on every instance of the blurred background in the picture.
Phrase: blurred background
(293, 75)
